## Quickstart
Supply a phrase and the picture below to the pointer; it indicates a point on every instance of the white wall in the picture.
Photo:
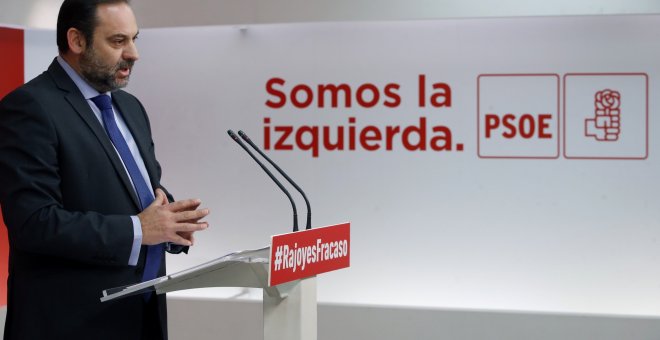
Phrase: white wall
(165, 13)
(439, 229)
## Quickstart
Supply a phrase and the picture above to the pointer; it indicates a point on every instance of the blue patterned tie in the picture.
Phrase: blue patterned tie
(155, 252)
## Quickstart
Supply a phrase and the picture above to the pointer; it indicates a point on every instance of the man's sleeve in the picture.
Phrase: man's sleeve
(137, 241)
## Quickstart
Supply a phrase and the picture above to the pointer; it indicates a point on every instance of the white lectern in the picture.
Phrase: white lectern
(289, 309)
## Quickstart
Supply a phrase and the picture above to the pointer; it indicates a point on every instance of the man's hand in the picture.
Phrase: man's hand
(171, 222)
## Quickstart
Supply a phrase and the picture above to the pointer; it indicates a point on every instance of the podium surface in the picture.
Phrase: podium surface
(289, 309)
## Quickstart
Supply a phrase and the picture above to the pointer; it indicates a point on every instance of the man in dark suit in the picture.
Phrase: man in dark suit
(80, 189)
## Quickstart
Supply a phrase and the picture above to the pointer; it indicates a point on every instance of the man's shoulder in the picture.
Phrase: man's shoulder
(127, 98)
(124, 95)
(38, 86)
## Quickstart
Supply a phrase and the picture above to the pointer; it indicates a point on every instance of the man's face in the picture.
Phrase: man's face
(107, 63)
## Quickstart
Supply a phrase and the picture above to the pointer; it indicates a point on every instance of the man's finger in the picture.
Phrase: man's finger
(193, 216)
(189, 204)
(190, 227)
(188, 235)
(158, 200)
(161, 198)
(196, 203)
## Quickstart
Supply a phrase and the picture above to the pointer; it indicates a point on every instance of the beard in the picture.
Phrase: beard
(101, 76)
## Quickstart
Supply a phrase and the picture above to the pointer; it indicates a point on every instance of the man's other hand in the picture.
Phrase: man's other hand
(171, 222)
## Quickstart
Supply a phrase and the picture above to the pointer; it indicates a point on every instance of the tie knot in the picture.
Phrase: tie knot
(103, 102)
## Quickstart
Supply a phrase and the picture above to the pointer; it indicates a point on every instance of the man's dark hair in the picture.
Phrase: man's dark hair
(81, 15)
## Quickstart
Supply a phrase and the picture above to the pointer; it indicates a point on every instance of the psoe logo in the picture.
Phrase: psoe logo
(518, 116)
(605, 125)
(606, 116)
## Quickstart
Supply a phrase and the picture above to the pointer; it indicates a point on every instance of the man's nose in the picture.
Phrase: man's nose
(131, 52)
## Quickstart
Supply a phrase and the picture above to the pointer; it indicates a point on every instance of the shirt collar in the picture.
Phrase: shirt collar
(87, 90)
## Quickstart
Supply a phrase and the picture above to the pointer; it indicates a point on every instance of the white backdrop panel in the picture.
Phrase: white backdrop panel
(429, 229)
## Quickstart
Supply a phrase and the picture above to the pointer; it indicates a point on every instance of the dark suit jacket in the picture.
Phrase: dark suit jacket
(67, 201)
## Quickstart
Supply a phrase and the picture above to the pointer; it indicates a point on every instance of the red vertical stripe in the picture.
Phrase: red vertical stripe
(11, 60)
(4, 256)
(11, 76)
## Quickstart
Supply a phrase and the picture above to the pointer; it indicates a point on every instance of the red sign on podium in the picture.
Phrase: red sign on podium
(307, 253)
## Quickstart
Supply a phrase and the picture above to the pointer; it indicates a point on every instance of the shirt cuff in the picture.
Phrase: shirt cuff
(137, 241)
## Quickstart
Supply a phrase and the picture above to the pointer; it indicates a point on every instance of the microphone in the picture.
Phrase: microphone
(245, 137)
(293, 204)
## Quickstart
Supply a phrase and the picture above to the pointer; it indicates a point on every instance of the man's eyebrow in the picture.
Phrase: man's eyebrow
(118, 35)
(123, 36)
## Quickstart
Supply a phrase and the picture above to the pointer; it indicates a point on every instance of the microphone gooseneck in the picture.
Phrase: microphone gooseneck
(293, 204)
(245, 137)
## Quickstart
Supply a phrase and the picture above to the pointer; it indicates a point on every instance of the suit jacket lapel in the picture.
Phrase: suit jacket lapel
(80, 105)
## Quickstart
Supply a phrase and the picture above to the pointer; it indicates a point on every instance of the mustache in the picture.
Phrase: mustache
(125, 64)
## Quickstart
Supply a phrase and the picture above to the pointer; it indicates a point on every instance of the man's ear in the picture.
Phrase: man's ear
(76, 40)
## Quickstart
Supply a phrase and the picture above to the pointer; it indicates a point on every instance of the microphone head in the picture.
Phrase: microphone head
(232, 134)
(243, 135)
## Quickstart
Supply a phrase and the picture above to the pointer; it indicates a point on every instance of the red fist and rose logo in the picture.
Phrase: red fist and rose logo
(606, 125)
